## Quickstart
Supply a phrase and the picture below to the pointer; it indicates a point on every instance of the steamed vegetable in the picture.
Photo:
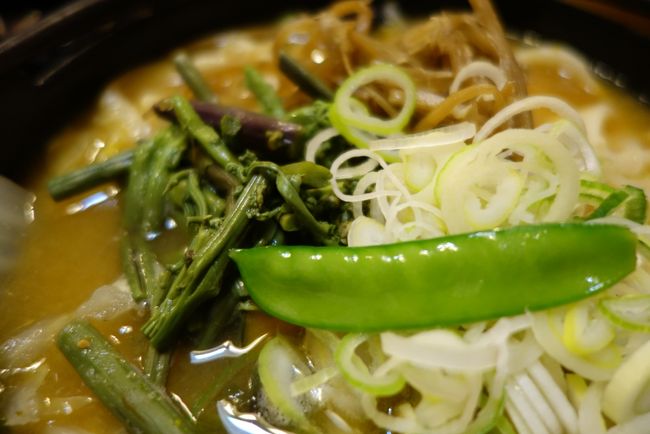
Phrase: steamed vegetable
(269, 100)
(85, 178)
(439, 282)
(258, 131)
(141, 405)
(193, 78)
(200, 277)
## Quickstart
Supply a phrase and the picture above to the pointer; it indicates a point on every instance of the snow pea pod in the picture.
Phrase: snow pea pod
(443, 281)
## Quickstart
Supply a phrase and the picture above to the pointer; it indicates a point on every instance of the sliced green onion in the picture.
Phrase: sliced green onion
(357, 137)
(609, 204)
(356, 372)
(631, 312)
(279, 365)
(630, 202)
(480, 188)
(379, 73)
(584, 334)
(353, 119)
(547, 327)
(305, 384)
(636, 205)
(595, 189)
(365, 231)
(488, 417)
(504, 426)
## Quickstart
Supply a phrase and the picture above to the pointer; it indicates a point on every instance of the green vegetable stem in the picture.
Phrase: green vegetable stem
(445, 281)
(134, 399)
(193, 78)
(264, 92)
(64, 186)
(306, 81)
(200, 276)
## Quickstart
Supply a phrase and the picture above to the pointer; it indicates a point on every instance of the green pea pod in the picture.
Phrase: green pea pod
(444, 281)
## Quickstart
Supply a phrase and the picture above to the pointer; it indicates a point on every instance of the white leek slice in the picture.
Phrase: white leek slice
(547, 327)
(339, 172)
(637, 425)
(479, 68)
(365, 231)
(306, 384)
(436, 412)
(631, 312)
(488, 417)
(355, 136)
(345, 111)
(584, 335)
(479, 187)
(557, 105)
(419, 170)
(396, 422)
(508, 190)
(357, 373)
(523, 353)
(279, 365)
(463, 413)
(628, 393)
(320, 345)
(590, 419)
(441, 349)
(435, 383)
(442, 136)
(578, 144)
(367, 181)
(576, 389)
(504, 426)
(313, 145)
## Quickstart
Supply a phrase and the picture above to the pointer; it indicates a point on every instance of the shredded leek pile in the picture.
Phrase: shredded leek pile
(581, 368)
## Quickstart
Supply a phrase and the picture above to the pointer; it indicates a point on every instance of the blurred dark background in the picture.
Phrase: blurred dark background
(56, 55)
